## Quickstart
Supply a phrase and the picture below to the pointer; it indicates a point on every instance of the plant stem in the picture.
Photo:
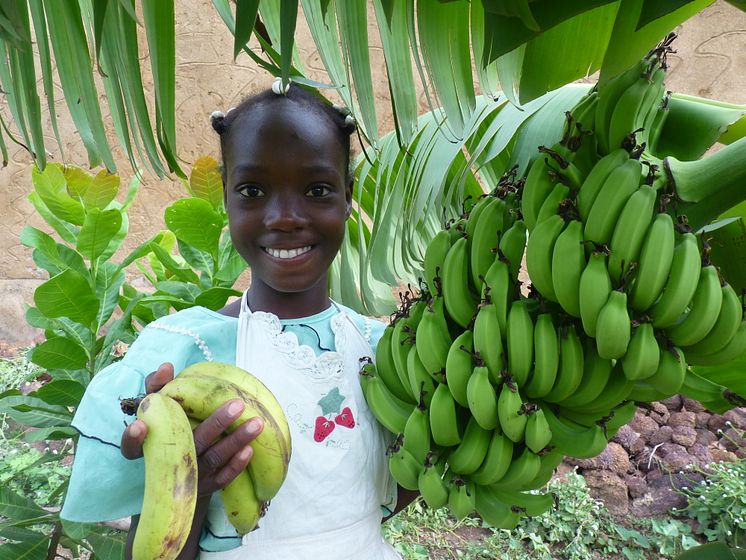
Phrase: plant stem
(711, 185)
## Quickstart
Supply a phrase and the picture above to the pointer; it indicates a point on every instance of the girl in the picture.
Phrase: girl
(288, 194)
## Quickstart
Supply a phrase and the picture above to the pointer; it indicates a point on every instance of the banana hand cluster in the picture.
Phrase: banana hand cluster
(171, 463)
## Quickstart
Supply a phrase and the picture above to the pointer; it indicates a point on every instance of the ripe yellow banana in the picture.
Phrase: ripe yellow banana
(170, 480)
(241, 504)
(201, 396)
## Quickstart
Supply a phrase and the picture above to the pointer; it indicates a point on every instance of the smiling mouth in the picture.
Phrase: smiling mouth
(286, 253)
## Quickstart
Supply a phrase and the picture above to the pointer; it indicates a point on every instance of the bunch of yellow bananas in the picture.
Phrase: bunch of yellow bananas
(487, 389)
(170, 458)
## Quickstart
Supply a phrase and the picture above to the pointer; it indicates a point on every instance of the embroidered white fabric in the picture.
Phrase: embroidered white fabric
(201, 344)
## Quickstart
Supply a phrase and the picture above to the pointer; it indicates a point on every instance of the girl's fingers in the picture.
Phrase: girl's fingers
(132, 438)
(156, 380)
(216, 424)
(238, 462)
(225, 449)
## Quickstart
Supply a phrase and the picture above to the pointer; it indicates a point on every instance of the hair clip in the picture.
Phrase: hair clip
(350, 120)
(278, 88)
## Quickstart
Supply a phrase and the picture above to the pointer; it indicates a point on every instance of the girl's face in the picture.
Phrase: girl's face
(287, 198)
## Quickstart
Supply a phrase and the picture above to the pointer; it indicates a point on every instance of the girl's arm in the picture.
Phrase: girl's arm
(220, 458)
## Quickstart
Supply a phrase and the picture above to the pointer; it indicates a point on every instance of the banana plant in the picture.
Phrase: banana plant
(529, 47)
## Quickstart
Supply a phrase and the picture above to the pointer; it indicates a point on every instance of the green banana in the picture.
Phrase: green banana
(609, 94)
(671, 371)
(201, 396)
(629, 231)
(539, 250)
(241, 505)
(519, 342)
(473, 218)
(433, 488)
(494, 512)
(593, 291)
(488, 340)
(573, 439)
(613, 327)
(643, 392)
(386, 367)
(537, 433)
(620, 416)
(510, 412)
(651, 105)
(421, 382)
(595, 180)
(522, 469)
(485, 239)
(532, 504)
(460, 365)
(444, 418)
(570, 370)
(403, 466)
(701, 389)
(726, 325)
(735, 347)
(170, 479)
(512, 246)
(703, 311)
(403, 339)
(499, 289)
(417, 432)
(550, 460)
(596, 372)
(681, 284)
(551, 205)
(643, 354)
(568, 264)
(630, 110)
(435, 256)
(654, 264)
(432, 338)
(546, 358)
(537, 186)
(616, 391)
(621, 183)
(390, 411)
(456, 284)
(496, 461)
(468, 455)
(461, 497)
(482, 399)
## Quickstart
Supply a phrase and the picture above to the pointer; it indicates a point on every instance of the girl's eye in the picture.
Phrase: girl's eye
(318, 191)
(250, 191)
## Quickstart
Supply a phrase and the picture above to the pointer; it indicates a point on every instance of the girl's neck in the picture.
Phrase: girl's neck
(288, 305)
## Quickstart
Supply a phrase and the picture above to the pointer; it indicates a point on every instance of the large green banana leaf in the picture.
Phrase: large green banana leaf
(556, 44)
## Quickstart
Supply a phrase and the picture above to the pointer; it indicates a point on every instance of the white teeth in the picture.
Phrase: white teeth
(287, 253)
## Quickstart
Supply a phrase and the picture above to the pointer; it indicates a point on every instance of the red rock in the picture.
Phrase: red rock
(684, 435)
(737, 417)
(643, 425)
(701, 419)
(705, 437)
(662, 435)
(673, 403)
(610, 489)
(682, 419)
(691, 405)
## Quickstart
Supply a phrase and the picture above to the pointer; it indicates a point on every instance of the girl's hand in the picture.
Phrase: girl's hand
(219, 459)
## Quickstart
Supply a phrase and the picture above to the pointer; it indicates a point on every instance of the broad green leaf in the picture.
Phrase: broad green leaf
(51, 187)
(50, 433)
(246, 11)
(628, 44)
(98, 230)
(67, 294)
(66, 231)
(61, 259)
(78, 180)
(102, 190)
(37, 239)
(109, 545)
(109, 279)
(118, 238)
(18, 533)
(27, 550)
(654, 9)
(205, 181)
(194, 221)
(183, 290)
(709, 551)
(59, 353)
(215, 298)
(179, 270)
(62, 392)
(34, 412)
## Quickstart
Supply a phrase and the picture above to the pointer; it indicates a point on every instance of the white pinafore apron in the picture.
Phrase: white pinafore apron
(329, 506)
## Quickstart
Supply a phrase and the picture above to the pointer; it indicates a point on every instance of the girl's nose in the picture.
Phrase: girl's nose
(285, 213)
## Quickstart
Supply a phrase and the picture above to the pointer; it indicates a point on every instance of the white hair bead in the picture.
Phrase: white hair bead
(217, 115)
(278, 88)
(350, 120)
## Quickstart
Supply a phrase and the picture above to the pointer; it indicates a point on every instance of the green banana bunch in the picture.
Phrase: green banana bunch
(539, 251)
(671, 371)
(681, 284)
(496, 460)
(403, 339)
(499, 289)
(519, 341)
(510, 411)
(735, 347)
(431, 484)
(390, 411)
(470, 453)
(568, 265)
(482, 399)
(613, 327)
(596, 373)
(403, 466)
(435, 256)
(552, 204)
(531, 504)
(460, 303)
(461, 497)
(546, 358)
(170, 480)
(200, 396)
(538, 185)
(629, 231)
(459, 366)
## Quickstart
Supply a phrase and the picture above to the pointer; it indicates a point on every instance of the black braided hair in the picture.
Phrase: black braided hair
(342, 123)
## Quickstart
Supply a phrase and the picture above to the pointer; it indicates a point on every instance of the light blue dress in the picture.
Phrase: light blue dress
(105, 486)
